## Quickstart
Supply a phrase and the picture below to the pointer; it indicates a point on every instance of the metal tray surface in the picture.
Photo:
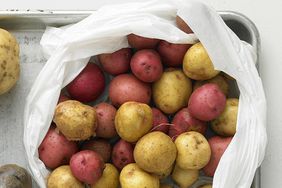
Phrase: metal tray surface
(28, 27)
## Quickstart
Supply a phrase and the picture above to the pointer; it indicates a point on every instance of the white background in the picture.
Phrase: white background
(266, 14)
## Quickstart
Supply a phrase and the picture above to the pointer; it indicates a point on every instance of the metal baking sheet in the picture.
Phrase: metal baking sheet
(28, 27)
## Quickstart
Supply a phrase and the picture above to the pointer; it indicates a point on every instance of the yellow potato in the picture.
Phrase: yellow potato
(109, 179)
(193, 149)
(9, 61)
(133, 120)
(172, 91)
(155, 152)
(62, 177)
(197, 64)
(225, 124)
(218, 80)
(164, 174)
(75, 120)
(184, 178)
(206, 186)
(132, 176)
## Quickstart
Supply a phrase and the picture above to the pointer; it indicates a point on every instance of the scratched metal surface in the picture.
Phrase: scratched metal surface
(28, 27)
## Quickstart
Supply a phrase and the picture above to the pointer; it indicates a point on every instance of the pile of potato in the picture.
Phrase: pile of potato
(167, 114)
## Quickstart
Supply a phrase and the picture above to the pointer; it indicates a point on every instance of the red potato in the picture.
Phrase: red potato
(63, 98)
(146, 65)
(87, 166)
(183, 122)
(218, 146)
(172, 54)
(106, 120)
(139, 42)
(100, 146)
(158, 119)
(122, 154)
(55, 150)
(126, 87)
(182, 25)
(117, 62)
(88, 85)
(207, 102)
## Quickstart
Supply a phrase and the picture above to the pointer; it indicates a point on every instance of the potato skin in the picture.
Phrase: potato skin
(139, 42)
(146, 65)
(219, 80)
(182, 25)
(87, 166)
(194, 151)
(183, 122)
(126, 87)
(158, 119)
(100, 146)
(55, 150)
(197, 64)
(207, 102)
(88, 85)
(109, 179)
(62, 177)
(184, 177)
(218, 146)
(172, 91)
(172, 54)
(105, 120)
(122, 154)
(133, 176)
(164, 174)
(225, 124)
(9, 61)
(75, 120)
(117, 62)
(133, 120)
(14, 176)
(155, 152)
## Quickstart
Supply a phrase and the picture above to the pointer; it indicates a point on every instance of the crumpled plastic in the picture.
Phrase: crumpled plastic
(69, 48)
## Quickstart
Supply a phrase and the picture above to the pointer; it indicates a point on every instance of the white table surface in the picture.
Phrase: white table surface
(265, 14)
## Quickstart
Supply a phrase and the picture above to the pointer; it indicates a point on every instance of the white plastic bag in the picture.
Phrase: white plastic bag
(70, 48)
